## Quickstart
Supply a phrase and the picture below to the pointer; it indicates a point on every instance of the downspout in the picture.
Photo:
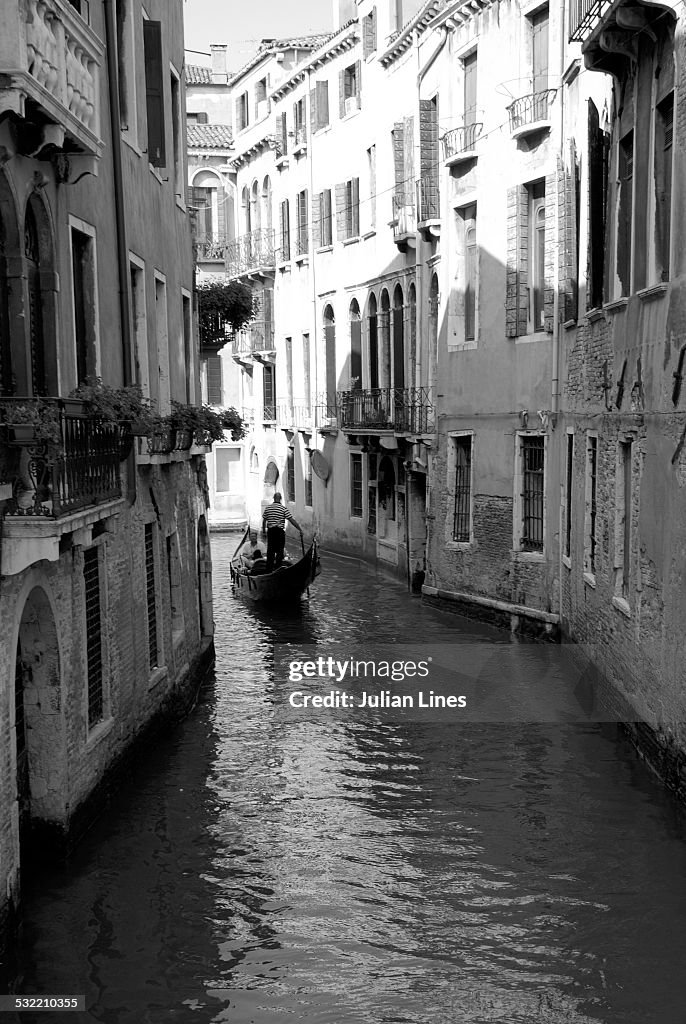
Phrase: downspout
(555, 375)
(120, 221)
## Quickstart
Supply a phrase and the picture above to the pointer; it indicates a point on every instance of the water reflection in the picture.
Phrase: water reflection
(358, 870)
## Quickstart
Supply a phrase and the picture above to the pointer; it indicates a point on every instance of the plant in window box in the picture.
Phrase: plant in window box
(32, 420)
(126, 405)
(206, 425)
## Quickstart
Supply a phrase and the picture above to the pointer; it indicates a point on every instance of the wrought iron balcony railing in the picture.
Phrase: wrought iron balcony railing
(214, 331)
(529, 111)
(428, 198)
(211, 247)
(57, 66)
(326, 411)
(584, 15)
(404, 214)
(67, 461)
(461, 140)
(250, 253)
(296, 413)
(300, 137)
(256, 337)
(403, 410)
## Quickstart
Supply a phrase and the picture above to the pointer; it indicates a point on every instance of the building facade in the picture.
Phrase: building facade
(106, 573)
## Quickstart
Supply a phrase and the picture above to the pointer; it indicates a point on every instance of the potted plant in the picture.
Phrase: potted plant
(33, 420)
(126, 405)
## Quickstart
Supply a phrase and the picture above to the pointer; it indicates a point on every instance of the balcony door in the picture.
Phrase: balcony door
(35, 304)
(539, 28)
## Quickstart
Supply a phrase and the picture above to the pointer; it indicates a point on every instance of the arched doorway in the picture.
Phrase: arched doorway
(433, 331)
(37, 724)
(385, 341)
(398, 338)
(373, 334)
(330, 350)
(355, 345)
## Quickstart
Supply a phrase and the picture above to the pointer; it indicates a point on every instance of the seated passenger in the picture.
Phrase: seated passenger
(257, 563)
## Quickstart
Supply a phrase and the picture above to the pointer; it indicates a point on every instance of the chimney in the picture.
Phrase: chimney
(219, 71)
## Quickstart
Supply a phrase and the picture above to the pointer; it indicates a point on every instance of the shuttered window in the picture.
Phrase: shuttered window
(356, 486)
(154, 92)
(303, 234)
(91, 576)
(285, 232)
(213, 366)
(151, 596)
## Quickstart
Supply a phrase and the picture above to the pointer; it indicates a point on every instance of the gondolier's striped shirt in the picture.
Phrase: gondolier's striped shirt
(276, 515)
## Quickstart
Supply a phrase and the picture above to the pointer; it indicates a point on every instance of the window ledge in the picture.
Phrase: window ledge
(351, 241)
(157, 675)
(460, 545)
(568, 324)
(300, 150)
(589, 579)
(323, 129)
(303, 259)
(597, 313)
(324, 248)
(369, 234)
(156, 174)
(351, 114)
(621, 605)
(529, 556)
(285, 267)
(527, 339)
(282, 163)
(566, 561)
(99, 732)
(656, 291)
(462, 346)
(130, 143)
(616, 305)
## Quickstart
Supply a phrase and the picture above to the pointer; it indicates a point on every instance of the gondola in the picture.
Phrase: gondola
(284, 585)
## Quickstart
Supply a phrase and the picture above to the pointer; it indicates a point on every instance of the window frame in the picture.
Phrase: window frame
(460, 439)
(524, 545)
(355, 486)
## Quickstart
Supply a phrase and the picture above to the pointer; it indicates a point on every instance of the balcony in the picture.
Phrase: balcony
(531, 113)
(256, 337)
(296, 415)
(400, 410)
(50, 77)
(253, 254)
(584, 15)
(211, 247)
(459, 145)
(609, 31)
(214, 334)
(300, 140)
(404, 221)
(326, 413)
(429, 205)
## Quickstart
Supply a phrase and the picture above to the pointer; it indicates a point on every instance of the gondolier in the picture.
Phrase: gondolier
(274, 522)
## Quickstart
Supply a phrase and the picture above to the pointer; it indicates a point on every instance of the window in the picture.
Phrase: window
(348, 208)
(369, 33)
(299, 122)
(242, 112)
(536, 257)
(261, 101)
(93, 630)
(228, 469)
(539, 50)
(140, 324)
(371, 494)
(162, 339)
(356, 486)
(371, 179)
(307, 478)
(568, 495)
(325, 218)
(469, 89)
(590, 538)
(290, 475)
(532, 470)
(664, 132)
(598, 152)
(623, 520)
(188, 348)
(289, 376)
(154, 92)
(462, 508)
(471, 272)
(268, 392)
(350, 89)
(307, 384)
(319, 106)
(285, 232)
(126, 75)
(303, 243)
(151, 596)
(179, 179)
(355, 345)
(84, 297)
(625, 223)
(213, 378)
(175, 590)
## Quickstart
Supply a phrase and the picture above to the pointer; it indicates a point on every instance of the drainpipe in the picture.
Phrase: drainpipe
(555, 381)
(120, 221)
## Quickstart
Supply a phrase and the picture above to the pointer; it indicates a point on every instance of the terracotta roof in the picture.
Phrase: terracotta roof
(209, 136)
(290, 43)
(196, 75)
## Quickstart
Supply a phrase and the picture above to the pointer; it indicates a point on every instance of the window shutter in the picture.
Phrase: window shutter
(214, 380)
(340, 211)
(341, 93)
(550, 235)
(317, 221)
(302, 221)
(397, 135)
(222, 206)
(201, 117)
(358, 80)
(408, 169)
(154, 92)
(355, 213)
(366, 37)
(322, 104)
(314, 120)
(512, 274)
(373, 29)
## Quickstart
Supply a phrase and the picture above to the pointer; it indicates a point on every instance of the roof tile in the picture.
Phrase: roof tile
(209, 136)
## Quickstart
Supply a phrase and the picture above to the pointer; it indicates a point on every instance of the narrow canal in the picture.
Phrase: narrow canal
(258, 869)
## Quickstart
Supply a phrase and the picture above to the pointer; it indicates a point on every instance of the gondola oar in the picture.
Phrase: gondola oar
(302, 545)
(242, 542)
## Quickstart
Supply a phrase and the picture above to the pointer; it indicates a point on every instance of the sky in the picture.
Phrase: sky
(242, 23)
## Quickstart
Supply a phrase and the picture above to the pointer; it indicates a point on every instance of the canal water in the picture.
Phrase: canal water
(259, 868)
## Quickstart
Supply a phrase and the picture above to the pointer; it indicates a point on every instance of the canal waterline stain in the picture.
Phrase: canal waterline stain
(356, 871)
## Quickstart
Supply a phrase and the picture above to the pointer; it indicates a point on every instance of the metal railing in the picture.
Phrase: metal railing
(404, 214)
(326, 410)
(256, 337)
(213, 331)
(461, 140)
(300, 137)
(404, 410)
(428, 198)
(302, 244)
(296, 413)
(530, 109)
(69, 461)
(584, 16)
(211, 247)
(254, 251)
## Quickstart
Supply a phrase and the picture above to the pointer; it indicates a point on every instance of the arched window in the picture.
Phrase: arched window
(209, 200)
(355, 345)
(385, 340)
(267, 216)
(8, 248)
(255, 207)
(398, 338)
(373, 334)
(245, 204)
(412, 330)
(330, 348)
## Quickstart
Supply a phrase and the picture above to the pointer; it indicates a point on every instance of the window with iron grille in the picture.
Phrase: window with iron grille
(356, 486)
(590, 544)
(96, 696)
(151, 595)
(268, 392)
(533, 470)
(462, 512)
(290, 475)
